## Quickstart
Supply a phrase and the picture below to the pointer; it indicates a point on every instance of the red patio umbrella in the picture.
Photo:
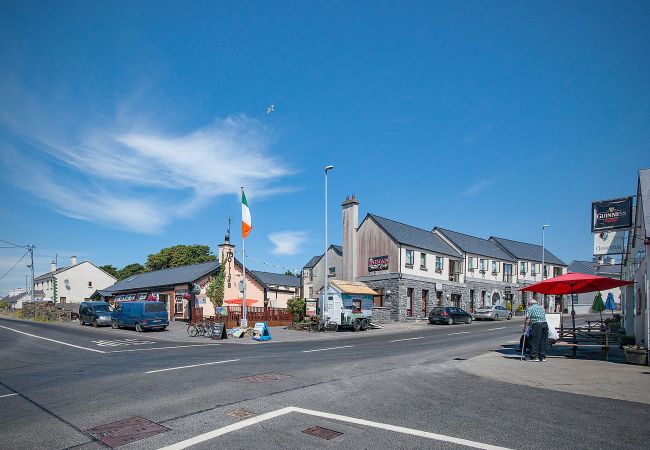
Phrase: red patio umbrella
(238, 301)
(574, 283)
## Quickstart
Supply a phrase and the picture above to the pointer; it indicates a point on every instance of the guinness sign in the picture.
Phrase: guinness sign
(611, 214)
(377, 263)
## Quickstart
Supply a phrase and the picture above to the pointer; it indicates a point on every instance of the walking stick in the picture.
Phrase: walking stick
(523, 346)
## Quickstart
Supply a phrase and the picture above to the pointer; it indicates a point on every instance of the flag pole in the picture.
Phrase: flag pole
(244, 320)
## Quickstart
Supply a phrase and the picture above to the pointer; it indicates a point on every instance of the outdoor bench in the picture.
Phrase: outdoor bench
(585, 337)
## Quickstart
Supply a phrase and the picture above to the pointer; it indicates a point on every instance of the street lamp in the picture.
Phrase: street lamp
(544, 227)
(326, 287)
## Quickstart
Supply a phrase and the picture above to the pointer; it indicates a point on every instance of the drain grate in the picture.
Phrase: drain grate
(264, 377)
(125, 431)
(241, 414)
(460, 359)
(322, 433)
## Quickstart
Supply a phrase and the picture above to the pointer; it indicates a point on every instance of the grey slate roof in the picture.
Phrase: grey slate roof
(48, 275)
(166, 277)
(415, 237)
(277, 279)
(312, 262)
(644, 185)
(529, 252)
(591, 268)
(475, 245)
(338, 249)
(13, 298)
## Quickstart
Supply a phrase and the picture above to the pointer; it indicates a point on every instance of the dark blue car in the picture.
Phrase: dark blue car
(140, 315)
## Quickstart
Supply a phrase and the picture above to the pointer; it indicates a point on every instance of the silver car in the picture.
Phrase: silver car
(492, 312)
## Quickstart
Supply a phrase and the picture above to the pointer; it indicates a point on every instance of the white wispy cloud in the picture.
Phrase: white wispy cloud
(124, 173)
(478, 187)
(287, 243)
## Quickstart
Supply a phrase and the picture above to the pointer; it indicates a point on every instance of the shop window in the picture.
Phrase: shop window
(409, 258)
(178, 304)
(439, 298)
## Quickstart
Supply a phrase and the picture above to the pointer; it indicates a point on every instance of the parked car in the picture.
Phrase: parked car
(449, 315)
(492, 312)
(142, 316)
(95, 313)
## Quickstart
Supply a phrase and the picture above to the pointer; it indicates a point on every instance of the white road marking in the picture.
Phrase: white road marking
(408, 339)
(512, 342)
(329, 348)
(160, 348)
(193, 365)
(500, 328)
(120, 342)
(8, 395)
(460, 332)
(53, 340)
(281, 412)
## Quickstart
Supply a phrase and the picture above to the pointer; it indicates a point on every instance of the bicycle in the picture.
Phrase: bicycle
(327, 325)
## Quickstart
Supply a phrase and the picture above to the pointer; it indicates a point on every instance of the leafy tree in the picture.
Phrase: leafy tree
(130, 270)
(598, 305)
(215, 288)
(110, 269)
(289, 272)
(179, 255)
(296, 306)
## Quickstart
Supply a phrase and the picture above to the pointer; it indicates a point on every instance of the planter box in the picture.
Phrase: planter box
(519, 313)
(639, 359)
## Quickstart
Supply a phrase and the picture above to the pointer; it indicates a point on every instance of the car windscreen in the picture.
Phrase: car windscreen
(154, 307)
(102, 308)
(437, 310)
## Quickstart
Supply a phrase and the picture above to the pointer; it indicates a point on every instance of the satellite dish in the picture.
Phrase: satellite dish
(66, 281)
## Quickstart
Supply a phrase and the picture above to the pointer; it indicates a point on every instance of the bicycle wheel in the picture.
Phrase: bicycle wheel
(314, 327)
(191, 330)
(332, 326)
(208, 331)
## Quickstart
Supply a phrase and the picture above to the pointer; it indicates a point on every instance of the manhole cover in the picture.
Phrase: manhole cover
(127, 430)
(241, 414)
(262, 378)
(322, 433)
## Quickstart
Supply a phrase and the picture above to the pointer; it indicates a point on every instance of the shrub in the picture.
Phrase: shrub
(296, 306)
(4, 305)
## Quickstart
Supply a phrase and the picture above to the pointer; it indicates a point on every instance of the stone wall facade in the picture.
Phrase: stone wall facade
(381, 314)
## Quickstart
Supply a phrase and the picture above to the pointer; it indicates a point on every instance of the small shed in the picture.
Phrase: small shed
(348, 300)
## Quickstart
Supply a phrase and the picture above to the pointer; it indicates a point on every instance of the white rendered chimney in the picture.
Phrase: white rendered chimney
(53, 266)
(73, 260)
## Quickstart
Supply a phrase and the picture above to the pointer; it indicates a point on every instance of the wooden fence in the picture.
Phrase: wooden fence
(274, 317)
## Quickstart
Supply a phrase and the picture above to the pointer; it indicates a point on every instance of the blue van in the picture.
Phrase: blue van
(140, 315)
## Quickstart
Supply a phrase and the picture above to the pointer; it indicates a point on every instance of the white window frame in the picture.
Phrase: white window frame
(423, 261)
(495, 266)
(440, 263)
(471, 263)
(483, 264)
(410, 255)
(523, 267)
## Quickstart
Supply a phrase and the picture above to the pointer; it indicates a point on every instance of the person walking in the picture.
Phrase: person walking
(536, 318)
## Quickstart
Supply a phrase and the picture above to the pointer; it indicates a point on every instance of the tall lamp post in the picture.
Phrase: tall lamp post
(327, 284)
(544, 227)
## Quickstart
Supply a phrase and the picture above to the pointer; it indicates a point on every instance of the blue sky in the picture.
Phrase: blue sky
(129, 127)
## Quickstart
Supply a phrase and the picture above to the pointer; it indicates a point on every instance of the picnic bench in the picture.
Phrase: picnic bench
(587, 337)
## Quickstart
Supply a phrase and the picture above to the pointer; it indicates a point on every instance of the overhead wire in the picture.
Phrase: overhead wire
(14, 266)
(15, 245)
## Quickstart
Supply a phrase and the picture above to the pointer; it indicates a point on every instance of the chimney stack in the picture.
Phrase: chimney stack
(73, 260)
(350, 250)
(53, 266)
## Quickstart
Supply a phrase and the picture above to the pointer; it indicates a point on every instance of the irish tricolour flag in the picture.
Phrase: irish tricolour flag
(246, 223)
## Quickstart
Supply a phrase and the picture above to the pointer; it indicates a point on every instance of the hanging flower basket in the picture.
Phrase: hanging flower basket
(186, 296)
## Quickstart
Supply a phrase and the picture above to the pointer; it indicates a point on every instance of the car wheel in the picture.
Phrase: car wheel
(81, 322)
(468, 320)
(450, 321)
(356, 325)
(95, 324)
(431, 322)
(114, 325)
(496, 317)
(138, 327)
(509, 316)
